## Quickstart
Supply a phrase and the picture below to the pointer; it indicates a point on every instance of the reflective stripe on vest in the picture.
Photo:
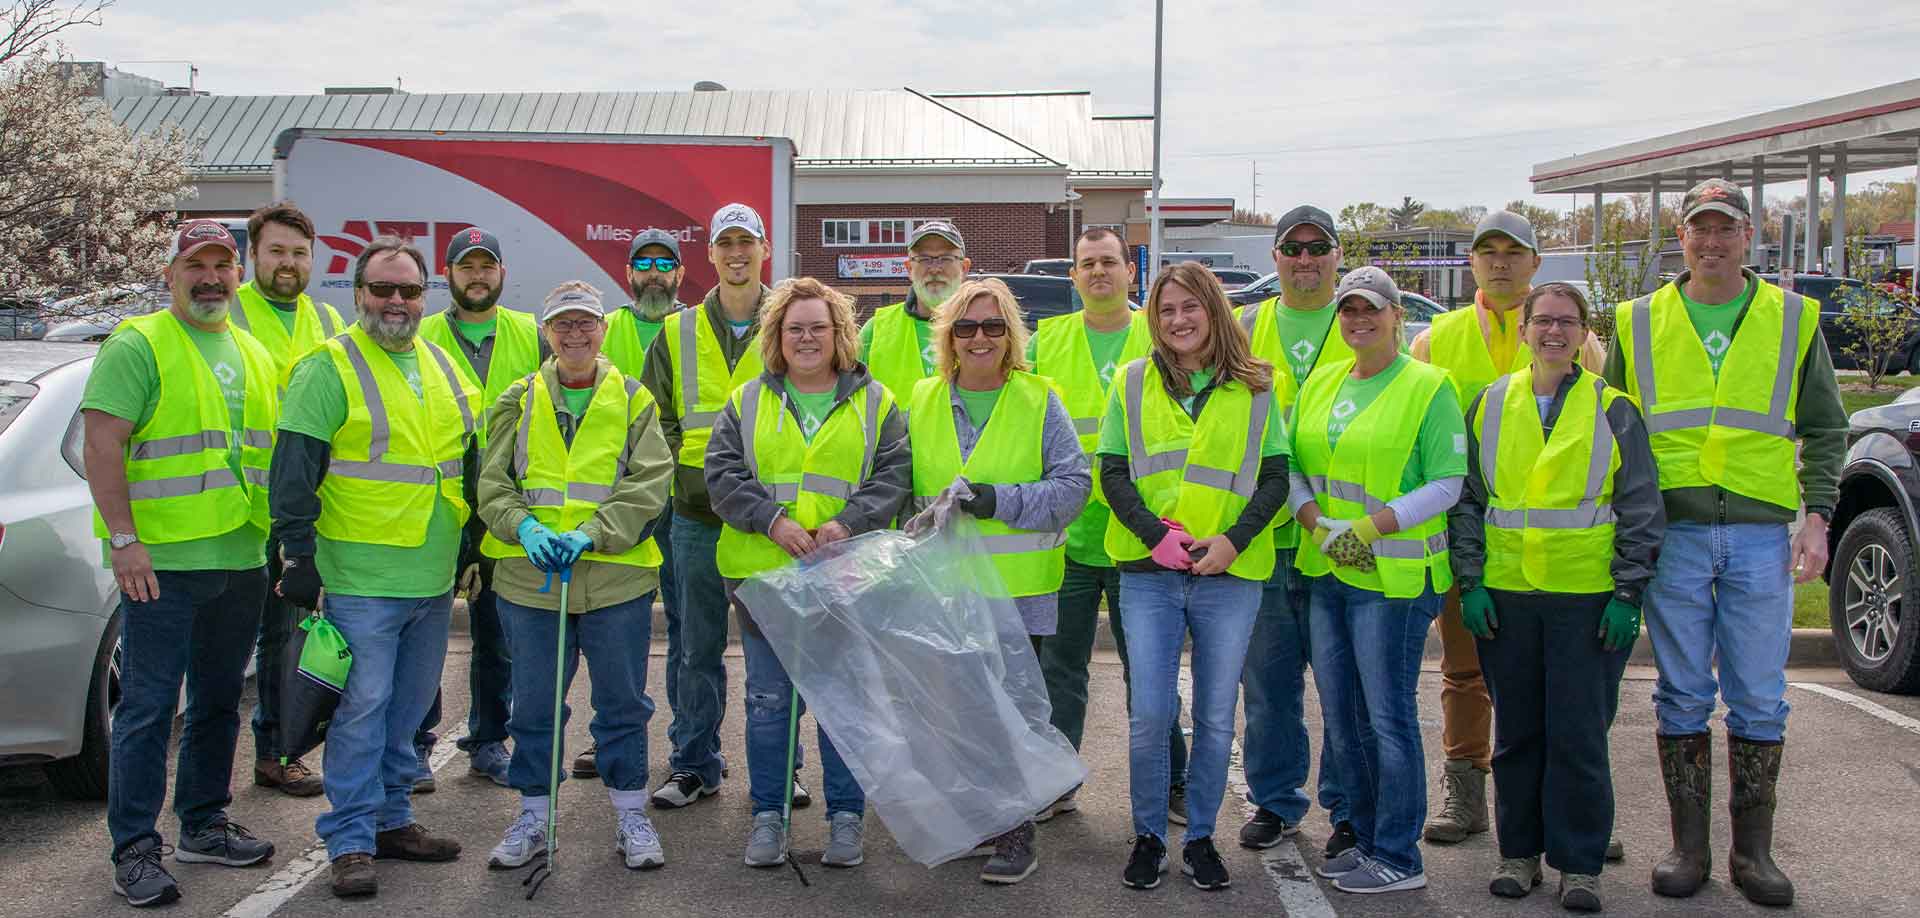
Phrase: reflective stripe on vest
(1547, 530)
(697, 414)
(1773, 422)
(313, 323)
(1239, 481)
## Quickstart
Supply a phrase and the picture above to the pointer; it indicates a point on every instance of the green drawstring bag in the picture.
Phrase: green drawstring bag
(317, 662)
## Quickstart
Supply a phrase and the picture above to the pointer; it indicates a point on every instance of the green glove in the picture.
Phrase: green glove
(1476, 610)
(1619, 625)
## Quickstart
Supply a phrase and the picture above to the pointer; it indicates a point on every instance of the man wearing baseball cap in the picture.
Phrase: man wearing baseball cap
(896, 343)
(178, 474)
(701, 355)
(1769, 442)
(1477, 346)
(492, 347)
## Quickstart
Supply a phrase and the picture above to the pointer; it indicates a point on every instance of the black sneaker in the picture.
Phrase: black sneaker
(1341, 839)
(226, 842)
(138, 876)
(1202, 863)
(682, 788)
(1265, 830)
(1177, 804)
(1146, 864)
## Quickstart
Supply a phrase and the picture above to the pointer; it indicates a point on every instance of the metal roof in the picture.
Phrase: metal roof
(1062, 126)
(828, 127)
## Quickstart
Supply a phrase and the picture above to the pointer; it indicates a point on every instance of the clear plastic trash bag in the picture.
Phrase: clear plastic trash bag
(911, 657)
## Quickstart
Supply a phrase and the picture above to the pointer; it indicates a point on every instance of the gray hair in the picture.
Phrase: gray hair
(384, 245)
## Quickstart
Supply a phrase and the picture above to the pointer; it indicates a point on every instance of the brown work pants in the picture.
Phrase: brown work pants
(1466, 710)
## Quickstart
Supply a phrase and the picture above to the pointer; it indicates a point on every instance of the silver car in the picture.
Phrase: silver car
(59, 631)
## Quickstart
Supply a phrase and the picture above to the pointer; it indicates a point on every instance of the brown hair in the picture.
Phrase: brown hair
(1230, 354)
(1095, 234)
(947, 364)
(1556, 288)
(283, 213)
(846, 339)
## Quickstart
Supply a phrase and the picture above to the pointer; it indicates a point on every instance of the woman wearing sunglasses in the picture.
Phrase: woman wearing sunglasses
(1193, 461)
(984, 418)
(1553, 542)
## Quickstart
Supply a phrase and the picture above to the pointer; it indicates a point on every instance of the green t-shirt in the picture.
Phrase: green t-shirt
(476, 333)
(978, 405)
(647, 331)
(1196, 383)
(285, 312)
(576, 398)
(125, 383)
(1302, 333)
(1714, 323)
(316, 405)
(922, 332)
(1113, 428)
(812, 407)
(1441, 448)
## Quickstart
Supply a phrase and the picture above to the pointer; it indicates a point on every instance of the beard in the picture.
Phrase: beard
(389, 335)
(210, 310)
(652, 300)
(481, 304)
(278, 289)
(931, 293)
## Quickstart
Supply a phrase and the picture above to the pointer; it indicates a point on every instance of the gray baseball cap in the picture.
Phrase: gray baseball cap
(1509, 224)
(572, 297)
(1371, 284)
(649, 237)
(1309, 215)
(940, 228)
(736, 216)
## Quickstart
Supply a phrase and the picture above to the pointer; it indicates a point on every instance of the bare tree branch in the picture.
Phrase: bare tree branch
(25, 24)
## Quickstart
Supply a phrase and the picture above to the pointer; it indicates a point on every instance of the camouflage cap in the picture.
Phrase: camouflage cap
(1718, 195)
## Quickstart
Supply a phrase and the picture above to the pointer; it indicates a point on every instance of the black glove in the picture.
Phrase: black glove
(981, 503)
(300, 582)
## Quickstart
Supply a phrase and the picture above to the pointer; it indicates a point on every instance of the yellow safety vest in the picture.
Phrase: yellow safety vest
(1736, 431)
(1198, 472)
(179, 482)
(312, 323)
(1458, 345)
(564, 485)
(812, 479)
(704, 380)
(516, 352)
(1262, 324)
(396, 453)
(1362, 474)
(1031, 562)
(894, 357)
(1062, 353)
(622, 344)
(1550, 517)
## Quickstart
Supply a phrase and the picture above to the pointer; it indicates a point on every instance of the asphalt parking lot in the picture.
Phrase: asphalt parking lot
(1846, 835)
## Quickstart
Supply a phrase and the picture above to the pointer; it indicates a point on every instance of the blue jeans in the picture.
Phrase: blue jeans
(1275, 750)
(1722, 591)
(1066, 654)
(1162, 608)
(769, 703)
(669, 595)
(699, 696)
(1366, 662)
(399, 647)
(614, 640)
(489, 674)
(201, 628)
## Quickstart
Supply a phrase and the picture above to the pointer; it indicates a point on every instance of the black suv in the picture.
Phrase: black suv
(1873, 539)
(1041, 296)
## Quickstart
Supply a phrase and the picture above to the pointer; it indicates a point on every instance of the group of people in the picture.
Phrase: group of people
(1290, 484)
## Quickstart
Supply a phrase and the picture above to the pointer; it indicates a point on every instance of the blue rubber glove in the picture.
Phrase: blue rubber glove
(541, 545)
(1476, 611)
(572, 546)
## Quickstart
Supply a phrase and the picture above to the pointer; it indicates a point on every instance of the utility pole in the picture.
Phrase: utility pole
(1253, 209)
(1153, 217)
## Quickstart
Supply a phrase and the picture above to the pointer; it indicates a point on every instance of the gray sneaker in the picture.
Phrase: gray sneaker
(226, 842)
(1341, 864)
(767, 843)
(1013, 857)
(138, 876)
(1375, 877)
(846, 837)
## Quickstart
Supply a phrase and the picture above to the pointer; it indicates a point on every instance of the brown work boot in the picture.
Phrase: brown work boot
(587, 764)
(1686, 764)
(412, 843)
(353, 876)
(1464, 810)
(1755, 769)
(292, 779)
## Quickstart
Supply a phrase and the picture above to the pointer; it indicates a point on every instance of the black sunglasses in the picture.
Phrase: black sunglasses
(383, 290)
(656, 263)
(994, 328)
(1316, 249)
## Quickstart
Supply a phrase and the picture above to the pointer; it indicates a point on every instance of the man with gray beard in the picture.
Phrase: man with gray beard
(374, 474)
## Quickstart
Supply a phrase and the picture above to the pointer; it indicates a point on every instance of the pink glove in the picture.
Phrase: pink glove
(1171, 553)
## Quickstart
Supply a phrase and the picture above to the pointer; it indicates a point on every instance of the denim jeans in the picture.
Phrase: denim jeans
(1722, 592)
(489, 674)
(200, 628)
(1366, 662)
(699, 698)
(399, 646)
(669, 596)
(1162, 608)
(1066, 654)
(614, 640)
(1275, 750)
(769, 703)
(277, 620)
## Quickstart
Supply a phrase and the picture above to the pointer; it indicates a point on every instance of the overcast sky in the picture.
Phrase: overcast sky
(1336, 101)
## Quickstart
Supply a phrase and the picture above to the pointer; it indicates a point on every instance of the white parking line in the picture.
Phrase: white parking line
(289, 880)
(1855, 701)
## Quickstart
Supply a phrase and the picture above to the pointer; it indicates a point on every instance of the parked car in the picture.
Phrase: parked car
(1235, 278)
(1041, 296)
(59, 628)
(1264, 287)
(1420, 313)
(100, 312)
(1051, 267)
(1873, 539)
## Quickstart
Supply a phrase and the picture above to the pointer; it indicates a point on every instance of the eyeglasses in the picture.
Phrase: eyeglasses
(994, 328)
(1316, 249)
(1723, 232)
(935, 261)
(382, 290)
(817, 330)
(572, 326)
(1545, 323)
(662, 263)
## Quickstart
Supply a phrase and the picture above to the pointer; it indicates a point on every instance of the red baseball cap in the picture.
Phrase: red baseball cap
(194, 235)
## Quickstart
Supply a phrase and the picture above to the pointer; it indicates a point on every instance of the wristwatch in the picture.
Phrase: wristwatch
(122, 539)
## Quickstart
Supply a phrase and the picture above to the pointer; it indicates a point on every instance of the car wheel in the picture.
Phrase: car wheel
(1872, 620)
(84, 777)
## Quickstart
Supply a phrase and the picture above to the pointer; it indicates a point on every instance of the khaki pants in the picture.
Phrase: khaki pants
(1466, 711)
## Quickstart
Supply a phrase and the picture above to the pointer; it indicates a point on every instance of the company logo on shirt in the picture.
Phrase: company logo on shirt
(929, 355)
(1716, 344)
(413, 382)
(1460, 444)
(809, 425)
(1303, 350)
(1342, 414)
(1106, 374)
(226, 374)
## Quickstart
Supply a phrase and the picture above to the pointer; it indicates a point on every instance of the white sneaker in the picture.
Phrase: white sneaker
(524, 839)
(638, 842)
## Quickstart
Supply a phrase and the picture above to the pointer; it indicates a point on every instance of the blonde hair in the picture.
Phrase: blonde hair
(1229, 354)
(773, 315)
(946, 360)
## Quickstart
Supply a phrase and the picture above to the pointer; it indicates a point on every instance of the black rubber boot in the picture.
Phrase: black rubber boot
(1686, 765)
(1755, 770)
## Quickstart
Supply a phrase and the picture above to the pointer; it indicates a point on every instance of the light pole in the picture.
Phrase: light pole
(1153, 192)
